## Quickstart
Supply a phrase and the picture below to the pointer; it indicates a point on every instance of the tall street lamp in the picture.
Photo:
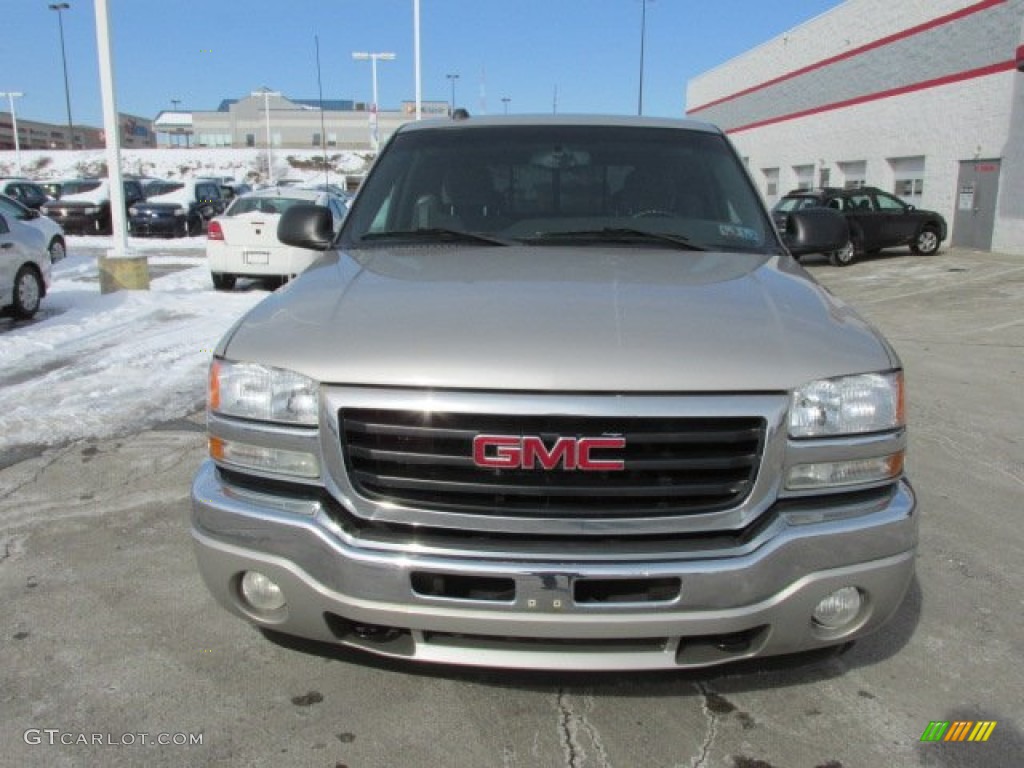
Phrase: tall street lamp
(643, 35)
(11, 96)
(59, 7)
(373, 58)
(266, 94)
(452, 79)
(505, 100)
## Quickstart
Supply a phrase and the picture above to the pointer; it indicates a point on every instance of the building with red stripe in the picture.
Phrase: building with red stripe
(921, 99)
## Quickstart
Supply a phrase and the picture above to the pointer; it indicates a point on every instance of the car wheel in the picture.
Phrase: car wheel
(28, 291)
(845, 256)
(195, 227)
(927, 242)
(223, 282)
(56, 250)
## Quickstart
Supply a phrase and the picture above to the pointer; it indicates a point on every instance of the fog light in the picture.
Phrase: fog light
(261, 592)
(838, 609)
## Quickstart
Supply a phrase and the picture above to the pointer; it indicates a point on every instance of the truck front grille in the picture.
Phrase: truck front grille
(672, 466)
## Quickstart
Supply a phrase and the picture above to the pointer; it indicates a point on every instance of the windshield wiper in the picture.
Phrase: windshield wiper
(622, 235)
(435, 233)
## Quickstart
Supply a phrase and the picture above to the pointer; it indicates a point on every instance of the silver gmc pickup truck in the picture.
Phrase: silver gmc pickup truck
(557, 396)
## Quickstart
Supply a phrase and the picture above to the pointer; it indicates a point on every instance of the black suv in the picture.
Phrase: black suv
(877, 220)
(182, 209)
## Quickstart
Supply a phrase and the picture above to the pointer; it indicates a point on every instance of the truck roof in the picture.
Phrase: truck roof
(487, 121)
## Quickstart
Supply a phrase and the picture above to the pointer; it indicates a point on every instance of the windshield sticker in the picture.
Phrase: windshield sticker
(738, 233)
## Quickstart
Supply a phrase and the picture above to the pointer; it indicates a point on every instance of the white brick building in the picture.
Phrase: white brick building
(923, 99)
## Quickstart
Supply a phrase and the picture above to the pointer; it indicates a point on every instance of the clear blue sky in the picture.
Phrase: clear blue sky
(204, 51)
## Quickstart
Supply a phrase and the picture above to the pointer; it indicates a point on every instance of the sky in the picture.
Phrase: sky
(523, 50)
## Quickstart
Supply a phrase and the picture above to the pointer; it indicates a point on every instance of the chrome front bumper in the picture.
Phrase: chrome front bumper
(751, 600)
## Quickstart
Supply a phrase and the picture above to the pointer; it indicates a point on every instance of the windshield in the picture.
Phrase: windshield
(263, 205)
(543, 184)
(790, 204)
(77, 187)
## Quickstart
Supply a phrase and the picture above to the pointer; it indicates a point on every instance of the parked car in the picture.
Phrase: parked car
(243, 242)
(877, 220)
(24, 267)
(88, 212)
(184, 210)
(28, 193)
(51, 230)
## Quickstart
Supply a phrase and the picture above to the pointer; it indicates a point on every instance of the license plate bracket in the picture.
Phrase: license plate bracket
(256, 257)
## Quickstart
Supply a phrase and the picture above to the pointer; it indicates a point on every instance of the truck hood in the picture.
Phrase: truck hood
(636, 319)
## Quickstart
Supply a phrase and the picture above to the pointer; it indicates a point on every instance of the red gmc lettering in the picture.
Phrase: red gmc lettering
(569, 453)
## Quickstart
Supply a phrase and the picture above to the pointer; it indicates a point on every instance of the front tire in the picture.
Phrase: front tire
(926, 243)
(223, 282)
(845, 256)
(28, 292)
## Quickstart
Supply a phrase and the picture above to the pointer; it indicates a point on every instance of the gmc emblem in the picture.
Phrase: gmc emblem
(569, 453)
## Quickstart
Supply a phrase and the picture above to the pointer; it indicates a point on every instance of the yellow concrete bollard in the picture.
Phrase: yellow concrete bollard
(124, 273)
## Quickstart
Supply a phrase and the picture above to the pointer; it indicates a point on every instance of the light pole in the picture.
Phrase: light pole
(11, 96)
(174, 103)
(59, 7)
(373, 58)
(452, 79)
(416, 55)
(266, 106)
(505, 100)
(643, 35)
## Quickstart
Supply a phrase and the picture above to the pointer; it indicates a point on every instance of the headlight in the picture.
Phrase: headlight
(133, 211)
(871, 402)
(252, 391)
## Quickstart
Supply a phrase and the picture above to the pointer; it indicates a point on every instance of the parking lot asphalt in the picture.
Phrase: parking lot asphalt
(106, 632)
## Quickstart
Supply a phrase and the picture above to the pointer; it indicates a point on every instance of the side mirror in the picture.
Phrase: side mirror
(306, 226)
(33, 213)
(815, 230)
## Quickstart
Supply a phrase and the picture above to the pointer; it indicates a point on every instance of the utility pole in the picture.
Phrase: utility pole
(11, 96)
(60, 8)
(373, 58)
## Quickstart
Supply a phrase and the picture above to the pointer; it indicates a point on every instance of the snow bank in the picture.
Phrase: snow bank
(97, 365)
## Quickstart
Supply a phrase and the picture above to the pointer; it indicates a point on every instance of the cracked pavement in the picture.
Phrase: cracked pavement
(106, 627)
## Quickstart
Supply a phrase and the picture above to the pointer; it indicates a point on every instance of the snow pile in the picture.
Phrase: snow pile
(97, 365)
(242, 164)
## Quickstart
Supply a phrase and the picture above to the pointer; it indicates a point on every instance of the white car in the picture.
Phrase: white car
(52, 231)
(24, 267)
(243, 241)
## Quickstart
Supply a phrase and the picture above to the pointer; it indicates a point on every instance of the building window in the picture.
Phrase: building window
(824, 177)
(854, 173)
(316, 139)
(804, 176)
(250, 140)
(332, 139)
(908, 178)
(771, 183)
